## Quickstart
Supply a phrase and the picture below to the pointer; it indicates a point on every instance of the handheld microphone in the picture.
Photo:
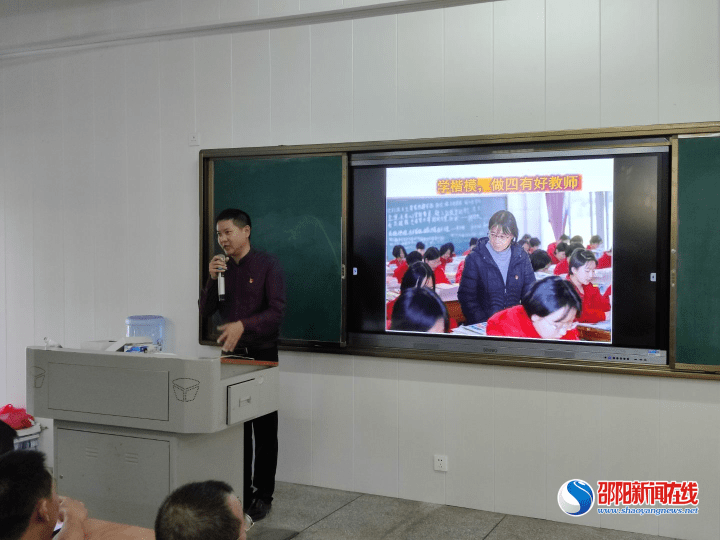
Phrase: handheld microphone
(221, 285)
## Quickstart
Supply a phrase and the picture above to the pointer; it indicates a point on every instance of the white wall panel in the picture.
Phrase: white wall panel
(331, 82)
(520, 441)
(332, 421)
(279, 8)
(128, 17)
(48, 194)
(81, 213)
(630, 440)
(519, 66)
(61, 22)
(689, 60)
(200, 11)
(310, 6)
(689, 445)
(468, 74)
(250, 87)
(163, 13)
(95, 17)
(375, 78)
(9, 14)
(420, 74)
(238, 10)
(290, 85)
(111, 180)
(469, 437)
(180, 222)
(295, 418)
(19, 225)
(144, 244)
(33, 20)
(572, 73)
(421, 415)
(213, 91)
(573, 438)
(375, 464)
(628, 62)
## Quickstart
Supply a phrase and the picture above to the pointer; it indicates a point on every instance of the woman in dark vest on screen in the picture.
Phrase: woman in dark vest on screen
(497, 272)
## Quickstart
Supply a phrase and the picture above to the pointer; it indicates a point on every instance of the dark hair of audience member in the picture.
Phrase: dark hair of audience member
(7, 438)
(416, 274)
(539, 259)
(418, 310)
(24, 481)
(420, 245)
(197, 510)
(534, 242)
(398, 251)
(523, 242)
(413, 257)
(549, 295)
(473, 241)
(595, 239)
(577, 239)
(506, 221)
(431, 254)
(561, 247)
(564, 238)
(580, 257)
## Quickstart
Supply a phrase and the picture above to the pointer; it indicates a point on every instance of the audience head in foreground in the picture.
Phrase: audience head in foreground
(29, 506)
(202, 510)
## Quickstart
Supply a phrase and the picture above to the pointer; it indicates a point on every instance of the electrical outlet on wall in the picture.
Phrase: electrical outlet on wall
(441, 463)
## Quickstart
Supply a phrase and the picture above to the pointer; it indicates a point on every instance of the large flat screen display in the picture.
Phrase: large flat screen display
(559, 254)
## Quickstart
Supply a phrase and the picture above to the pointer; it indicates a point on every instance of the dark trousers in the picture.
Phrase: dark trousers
(260, 482)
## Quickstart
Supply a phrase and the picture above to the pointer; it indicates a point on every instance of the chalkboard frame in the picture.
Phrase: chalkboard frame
(672, 131)
(208, 160)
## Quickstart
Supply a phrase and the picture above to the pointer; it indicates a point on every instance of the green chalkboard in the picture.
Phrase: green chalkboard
(697, 333)
(296, 206)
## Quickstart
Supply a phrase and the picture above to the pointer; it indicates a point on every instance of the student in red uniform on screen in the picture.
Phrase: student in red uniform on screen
(562, 266)
(606, 260)
(551, 247)
(432, 257)
(420, 310)
(473, 243)
(447, 252)
(582, 265)
(412, 257)
(399, 254)
(547, 311)
(418, 274)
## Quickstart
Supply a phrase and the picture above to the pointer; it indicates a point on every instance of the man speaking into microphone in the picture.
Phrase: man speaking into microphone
(252, 308)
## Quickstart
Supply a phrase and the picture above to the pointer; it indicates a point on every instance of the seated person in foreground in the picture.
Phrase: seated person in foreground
(202, 510)
(547, 311)
(420, 310)
(29, 506)
(7, 438)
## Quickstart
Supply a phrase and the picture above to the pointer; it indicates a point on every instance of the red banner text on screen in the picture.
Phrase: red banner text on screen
(509, 184)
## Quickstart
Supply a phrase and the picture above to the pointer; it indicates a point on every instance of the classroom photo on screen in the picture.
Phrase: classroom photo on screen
(519, 250)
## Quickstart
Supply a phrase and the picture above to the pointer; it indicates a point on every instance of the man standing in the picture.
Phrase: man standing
(29, 506)
(252, 310)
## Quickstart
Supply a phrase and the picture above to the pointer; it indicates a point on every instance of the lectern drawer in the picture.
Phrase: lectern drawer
(242, 401)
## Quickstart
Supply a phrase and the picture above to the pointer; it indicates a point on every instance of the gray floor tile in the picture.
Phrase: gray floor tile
(450, 522)
(296, 507)
(370, 517)
(524, 528)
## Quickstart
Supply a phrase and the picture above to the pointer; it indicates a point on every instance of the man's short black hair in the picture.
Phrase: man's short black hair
(197, 510)
(24, 481)
(238, 217)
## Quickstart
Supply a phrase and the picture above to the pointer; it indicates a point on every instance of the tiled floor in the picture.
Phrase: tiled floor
(312, 513)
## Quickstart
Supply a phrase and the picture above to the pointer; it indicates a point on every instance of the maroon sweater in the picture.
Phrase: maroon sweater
(254, 294)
